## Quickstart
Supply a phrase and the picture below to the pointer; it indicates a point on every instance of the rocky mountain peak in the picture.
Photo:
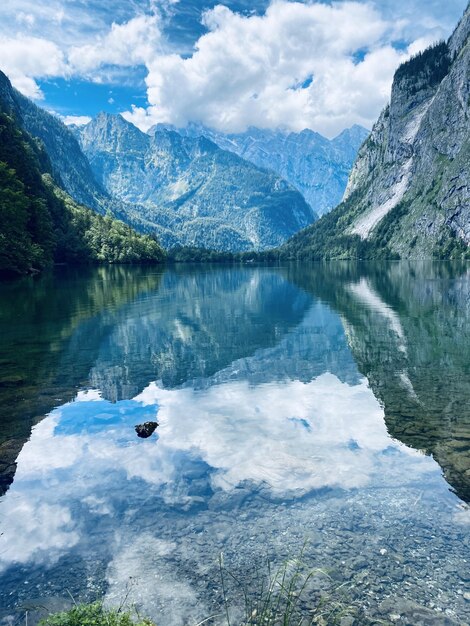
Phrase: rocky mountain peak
(7, 101)
(460, 36)
(190, 191)
(112, 132)
(408, 193)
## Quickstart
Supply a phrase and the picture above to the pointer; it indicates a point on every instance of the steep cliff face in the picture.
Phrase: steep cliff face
(418, 154)
(69, 165)
(190, 191)
(408, 194)
(316, 166)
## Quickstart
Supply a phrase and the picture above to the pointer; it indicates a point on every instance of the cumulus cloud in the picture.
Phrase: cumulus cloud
(77, 120)
(132, 43)
(25, 59)
(297, 66)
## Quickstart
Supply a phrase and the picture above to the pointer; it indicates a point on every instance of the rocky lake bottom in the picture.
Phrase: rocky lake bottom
(305, 415)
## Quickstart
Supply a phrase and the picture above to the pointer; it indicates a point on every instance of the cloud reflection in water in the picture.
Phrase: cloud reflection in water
(288, 437)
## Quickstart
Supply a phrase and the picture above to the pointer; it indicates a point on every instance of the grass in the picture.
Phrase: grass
(287, 596)
(93, 615)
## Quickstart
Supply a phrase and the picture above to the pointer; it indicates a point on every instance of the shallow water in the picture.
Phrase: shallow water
(322, 410)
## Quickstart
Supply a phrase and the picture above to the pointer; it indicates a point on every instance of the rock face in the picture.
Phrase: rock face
(70, 167)
(316, 166)
(191, 192)
(185, 190)
(418, 152)
(408, 194)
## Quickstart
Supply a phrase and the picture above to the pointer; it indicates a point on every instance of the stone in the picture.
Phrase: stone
(359, 563)
(146, 429)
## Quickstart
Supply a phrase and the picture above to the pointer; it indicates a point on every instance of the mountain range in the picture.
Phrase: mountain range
(316, 166)
(408, 194)
(185, 191)
(189, 191)
(193, 187)
(41, 224)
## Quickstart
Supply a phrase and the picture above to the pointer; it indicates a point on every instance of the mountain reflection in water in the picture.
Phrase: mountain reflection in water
(293, 403)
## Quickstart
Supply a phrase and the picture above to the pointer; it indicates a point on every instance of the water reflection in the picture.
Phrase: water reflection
(408, 328)
(276, 391)
(119, 328)
(39, 319)
(197, 324)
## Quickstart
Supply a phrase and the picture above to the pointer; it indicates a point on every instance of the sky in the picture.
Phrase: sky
(271, 64)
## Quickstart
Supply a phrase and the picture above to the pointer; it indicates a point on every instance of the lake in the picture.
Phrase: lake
(317, 416)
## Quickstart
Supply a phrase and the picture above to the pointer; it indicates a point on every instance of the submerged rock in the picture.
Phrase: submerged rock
(146, 429)
(404, 611)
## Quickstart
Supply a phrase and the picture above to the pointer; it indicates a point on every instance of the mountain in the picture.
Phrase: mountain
(69, 165)
(40, 223)
(316, 166)
(408, 194)
(186, 190)
(190, 192)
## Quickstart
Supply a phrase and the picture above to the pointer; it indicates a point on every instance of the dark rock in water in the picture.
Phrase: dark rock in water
(146, 429)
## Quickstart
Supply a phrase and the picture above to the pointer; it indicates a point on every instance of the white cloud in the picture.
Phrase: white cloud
(66, 22)
(78, 120)
(25, 59)
(291, 437)
(244, 71)
(132, 43)
(420, 44)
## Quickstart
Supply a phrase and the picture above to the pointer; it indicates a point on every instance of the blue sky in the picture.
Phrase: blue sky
(288, 64)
